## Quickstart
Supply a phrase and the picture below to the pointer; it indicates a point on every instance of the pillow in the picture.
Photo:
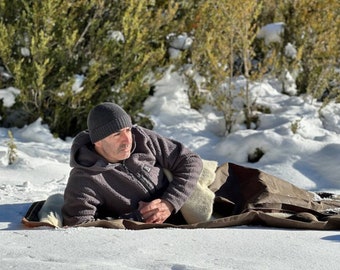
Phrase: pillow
(199, 206)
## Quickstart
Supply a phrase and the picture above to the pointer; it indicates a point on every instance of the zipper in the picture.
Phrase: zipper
(141, 180)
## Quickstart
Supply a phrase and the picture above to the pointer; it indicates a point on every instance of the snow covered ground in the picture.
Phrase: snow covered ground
(308, 158)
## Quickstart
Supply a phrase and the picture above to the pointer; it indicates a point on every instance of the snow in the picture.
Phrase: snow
(117, 36)
(76, 87)
(8, 96)
(271, 33)
(173, 249)
(309, 159)
(25, 52)
(290, 51)
(178, 43)
(301, 144)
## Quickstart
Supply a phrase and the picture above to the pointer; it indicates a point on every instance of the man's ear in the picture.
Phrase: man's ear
(98, 144)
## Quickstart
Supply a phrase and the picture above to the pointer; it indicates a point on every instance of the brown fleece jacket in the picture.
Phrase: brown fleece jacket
(98, 189)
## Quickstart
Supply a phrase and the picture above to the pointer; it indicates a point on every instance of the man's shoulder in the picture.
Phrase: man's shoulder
(142, 131)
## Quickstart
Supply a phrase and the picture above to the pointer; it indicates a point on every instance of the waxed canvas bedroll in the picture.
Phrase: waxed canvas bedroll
(244, 196)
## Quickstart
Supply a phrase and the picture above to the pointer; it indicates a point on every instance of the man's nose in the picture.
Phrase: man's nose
(125, 136)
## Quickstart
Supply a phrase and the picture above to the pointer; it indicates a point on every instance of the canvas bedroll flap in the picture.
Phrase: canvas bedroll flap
(252, 189)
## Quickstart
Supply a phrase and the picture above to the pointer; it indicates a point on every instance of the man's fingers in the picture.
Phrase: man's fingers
(156, 211)
(149, 214)
(148, 206)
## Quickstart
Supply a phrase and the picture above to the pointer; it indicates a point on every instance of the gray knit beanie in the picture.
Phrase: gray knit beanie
(105, 119)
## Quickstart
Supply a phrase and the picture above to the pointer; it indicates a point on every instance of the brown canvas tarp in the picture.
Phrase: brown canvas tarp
(244, 196)
(250, 188)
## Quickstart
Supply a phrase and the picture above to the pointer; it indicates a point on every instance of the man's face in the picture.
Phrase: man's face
(116, 147)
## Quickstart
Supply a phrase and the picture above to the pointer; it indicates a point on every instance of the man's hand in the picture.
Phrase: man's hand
(156, 211)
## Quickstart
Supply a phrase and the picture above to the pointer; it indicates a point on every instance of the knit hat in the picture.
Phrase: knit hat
(105, 119)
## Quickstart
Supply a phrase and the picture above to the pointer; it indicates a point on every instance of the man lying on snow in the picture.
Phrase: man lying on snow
(120, 170)
(124, 172)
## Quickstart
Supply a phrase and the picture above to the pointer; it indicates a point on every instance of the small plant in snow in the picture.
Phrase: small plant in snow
(256, 155)
(12, 149)
(295, 126)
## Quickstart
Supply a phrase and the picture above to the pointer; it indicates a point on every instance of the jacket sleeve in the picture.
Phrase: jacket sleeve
(80, 200)
(184, 165)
